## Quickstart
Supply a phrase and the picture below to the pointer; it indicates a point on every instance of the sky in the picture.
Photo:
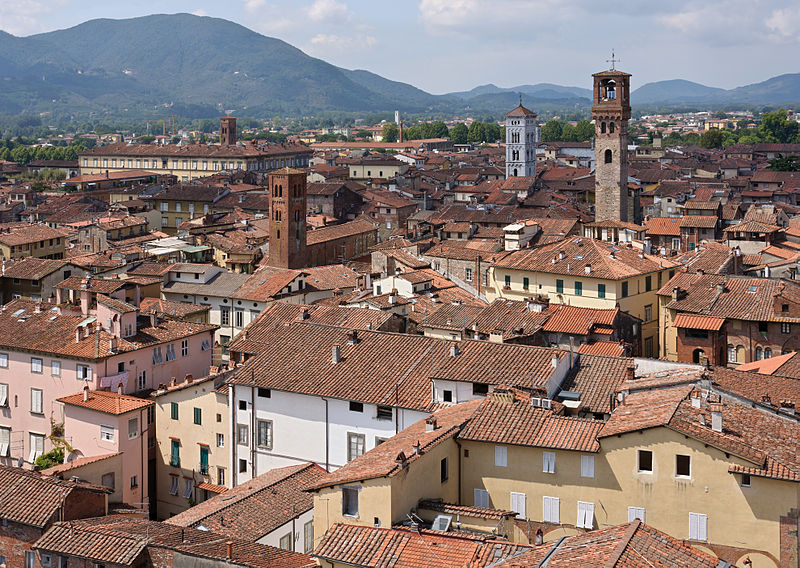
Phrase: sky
(451, 45)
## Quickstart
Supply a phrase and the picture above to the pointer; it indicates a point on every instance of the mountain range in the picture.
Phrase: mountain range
(199, 67)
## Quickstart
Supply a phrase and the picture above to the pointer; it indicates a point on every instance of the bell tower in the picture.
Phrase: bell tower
(227, 130)
(611, 110)
(287, 218)
(522, 135)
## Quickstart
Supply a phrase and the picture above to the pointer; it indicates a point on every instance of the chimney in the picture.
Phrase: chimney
(716, 418)
(587, 269)
(630, 372)
(720, 287)
(554, 361)
(188, 378)
(78, 334)
(336, 354)
(416, 447)
(153, 321)
(304, 315)
(85, 393)
(96, 343)
(352, 337)
(454, 350)
(676, 293)
(112, 344)
(229, 549)
(119, 387)
(430, 424)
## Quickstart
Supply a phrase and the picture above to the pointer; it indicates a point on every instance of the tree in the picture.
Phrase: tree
(476, 132)
(492, 132)
(551, 131)
(776, 128)
(568, 133)
(389, 132)
(712, 138)
(459, 133)
(785, 164)
(51, 458)
(362, 134)
(439, 130)
(720, 115)
(584, 131)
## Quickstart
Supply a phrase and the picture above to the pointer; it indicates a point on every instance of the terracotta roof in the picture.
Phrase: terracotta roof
(577, 253)
(30, 498)
(597, 378)
(242, 150)
(32, 268)
(513, 319)
(257, 507)
(20, 235)
(170, 307)
(575, 320)
(691, 321)
(518, 422)
(521, 111)
(699, 221)
(612, 348)
(116, 305)
(107, 401)
(77, 463)
(466, 510)
(382, 547)
(632, 545)
(670, 226)
(752, 227)
(453, 317)
(646, 409)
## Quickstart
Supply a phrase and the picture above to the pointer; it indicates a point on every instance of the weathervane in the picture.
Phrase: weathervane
(612, 60)
(520, 99)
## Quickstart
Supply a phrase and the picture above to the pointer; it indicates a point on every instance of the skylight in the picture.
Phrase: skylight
(17, 313)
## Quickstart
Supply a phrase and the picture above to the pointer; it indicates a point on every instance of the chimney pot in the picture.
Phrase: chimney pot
(352, 337)
(119, 387)
(454, 351)
(229, 549)
(85, 393)
(430, 424)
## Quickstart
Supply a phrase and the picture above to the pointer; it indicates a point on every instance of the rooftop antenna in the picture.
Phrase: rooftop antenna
(613, 60)
(520, 99)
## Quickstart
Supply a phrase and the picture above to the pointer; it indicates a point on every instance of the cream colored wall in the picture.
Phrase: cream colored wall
(634, 303)
(374, 500)
(737, 516)
(442, 334)
(190, 434)
(187, 173)
(93, 473)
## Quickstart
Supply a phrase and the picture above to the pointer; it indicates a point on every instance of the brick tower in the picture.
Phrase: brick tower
(287, 218)
(611, 109)
(227, 130)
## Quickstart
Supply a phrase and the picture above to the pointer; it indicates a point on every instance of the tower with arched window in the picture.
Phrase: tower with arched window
(287, 218)
(611, 110)
(522, 135)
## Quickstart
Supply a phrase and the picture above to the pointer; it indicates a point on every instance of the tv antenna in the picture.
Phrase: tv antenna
(613, 60)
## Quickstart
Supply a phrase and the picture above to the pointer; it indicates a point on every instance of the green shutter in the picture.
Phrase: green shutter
(203, 460)
(578, 288)
(198, 416)
(526, 283)
(559, 286)
(601, 290)
(175, 460)
(173, 410)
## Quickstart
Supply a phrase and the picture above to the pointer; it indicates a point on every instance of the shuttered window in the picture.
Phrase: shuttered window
(481, 498)
(585, 514)
(551, 510)
(698, 526)
(518, 505)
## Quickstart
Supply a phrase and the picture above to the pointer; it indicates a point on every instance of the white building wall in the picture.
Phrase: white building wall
(295, 526)
(522, 135)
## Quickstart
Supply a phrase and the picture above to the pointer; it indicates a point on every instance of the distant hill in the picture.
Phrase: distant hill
(199, 67)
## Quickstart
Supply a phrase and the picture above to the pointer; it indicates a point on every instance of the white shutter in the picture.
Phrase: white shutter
(187, 490)
(518, 505)
(550, 509)
(587, 466)
(481, 498)
(585, 514)
(698, 526)
(5, 441)
(173, 488)
(549, 462)
(635, 513)
(3, 394)
(500, 456)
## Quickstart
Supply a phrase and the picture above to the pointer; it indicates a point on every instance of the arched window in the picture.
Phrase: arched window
(767, 353)
(280, 190)
(602, 128)
(515, 172)
(740, 353)
(731, 354)
(611, 127)
(759, 354)
(698, 355)
(608, 156)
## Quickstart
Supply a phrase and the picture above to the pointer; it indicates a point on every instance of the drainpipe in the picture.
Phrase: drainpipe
(232, 433)
(460, 455)
(253, 432)
(327, 437)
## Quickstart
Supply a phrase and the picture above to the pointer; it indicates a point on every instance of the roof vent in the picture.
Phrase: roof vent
(716, 419)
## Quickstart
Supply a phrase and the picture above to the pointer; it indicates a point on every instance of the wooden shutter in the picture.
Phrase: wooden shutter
(518, 505)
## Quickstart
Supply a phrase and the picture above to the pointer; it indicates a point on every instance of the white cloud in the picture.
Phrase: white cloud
(254, 6)
(200, 13)
(329, 12)
(322, 43)
(24, 17)
(785, 22)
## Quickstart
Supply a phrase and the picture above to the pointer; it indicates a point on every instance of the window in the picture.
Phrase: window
(188, 486)
(518, 505)
(225, 315)
(526, 283)
(30, 559)
(3, 360)
(355, 446)
(356, 406)
(134, 482)
(585, 514)
(648, 283)
(551, 510)
(507, 281)
(481, 497)
(468, 274)
(308, 537)
(636, 513)
(5, 441)
(578, 288)
(587, 466)
(500, 456)
(184, 347)
(648, 312)
(164, 221)
(220, 440)
(221, 476)
(384, 412)
(242, 434)
(559, 286)
(238, 318)
(173, 410)
(443, 473)
(683, 466)
(286, 542)
(624, 290)
(786, 328)
(645, 461)
(3, 394)
(158, 357)
(164, 206)
(731, 354)
(198, 416)
(242, 405)
(47, 561)
(55, 368)
(608, 156)
(37, 447)
(36, 401)
(264, 393)
(698, 526)
(175, 453)
(447, 395)
(745, 478)
(204, 460)
(264, 434)
(767, 353)
(548, 462)
(480, 389)
(36, 365)
(759, 353)
(171, 352)
(84, 372)
(350, 501)
(141, 380)
(242, 466)
(133, 428)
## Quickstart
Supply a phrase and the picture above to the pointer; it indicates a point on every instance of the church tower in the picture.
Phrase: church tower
(227, 131)
(287, 218)
(611, 110)
(522, 134)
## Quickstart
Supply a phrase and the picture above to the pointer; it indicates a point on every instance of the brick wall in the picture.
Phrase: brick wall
(15, 539)
(789, 542)
(748, 335)
(714, 347)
